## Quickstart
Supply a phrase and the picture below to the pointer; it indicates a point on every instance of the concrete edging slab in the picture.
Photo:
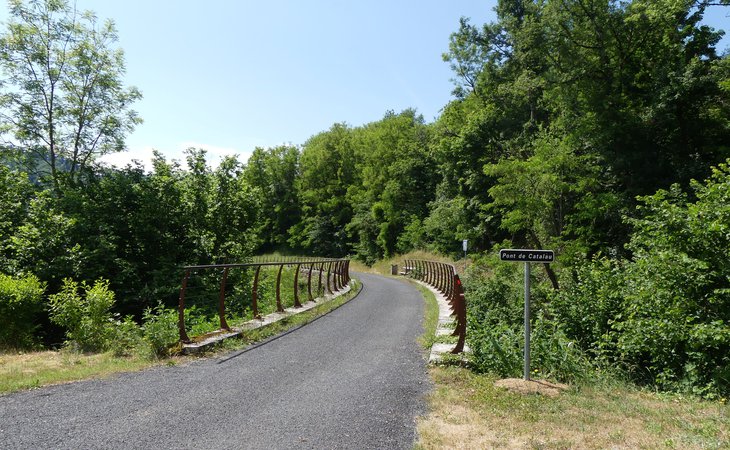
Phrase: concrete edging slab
(254, 324)
(445, 327)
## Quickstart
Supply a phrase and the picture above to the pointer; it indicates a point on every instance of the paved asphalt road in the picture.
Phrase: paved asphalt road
(355, 378)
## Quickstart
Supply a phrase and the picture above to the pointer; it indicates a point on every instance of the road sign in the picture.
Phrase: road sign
(526, 255)
(464, 244)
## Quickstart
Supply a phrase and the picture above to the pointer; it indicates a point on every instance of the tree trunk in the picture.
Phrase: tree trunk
(548, 270)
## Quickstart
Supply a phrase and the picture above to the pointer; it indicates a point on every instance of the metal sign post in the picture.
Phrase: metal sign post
(527, 256)
(526, 367)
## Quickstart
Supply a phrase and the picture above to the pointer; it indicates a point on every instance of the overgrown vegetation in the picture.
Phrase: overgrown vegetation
(661, 317)
(21, 300)
(598, 129)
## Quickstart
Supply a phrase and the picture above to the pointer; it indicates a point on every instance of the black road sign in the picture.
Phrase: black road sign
(525, 255)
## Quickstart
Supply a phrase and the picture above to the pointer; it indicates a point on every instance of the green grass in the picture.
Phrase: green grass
(468, 411)
(31, 370)
(431, 318)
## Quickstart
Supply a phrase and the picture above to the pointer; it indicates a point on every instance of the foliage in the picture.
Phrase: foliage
(662, 315)
(677, 320)
(65, 100)
(496, 331)
(85, 315)
(579, 106)
(20, 306)
(395, 184)
(590, 300)
(16, 193)
(126, 337)
(160, 329)
(327, 170)
(273, 173)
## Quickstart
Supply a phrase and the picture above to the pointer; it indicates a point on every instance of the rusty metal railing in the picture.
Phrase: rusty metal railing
(443, 278)
(336, 273)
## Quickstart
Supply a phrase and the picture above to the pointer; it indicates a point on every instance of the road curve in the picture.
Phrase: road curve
(354, 378)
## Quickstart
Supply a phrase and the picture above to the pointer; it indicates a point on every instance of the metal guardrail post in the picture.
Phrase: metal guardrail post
(181, 309)
(279, 308)
(255, 294)
(460, 316)
(336, 276)
(329, 271)
(452, 272)
(297, 304)
(319, 285)
(309, 283)
(342, 274)
(222, 301)
(442, 278)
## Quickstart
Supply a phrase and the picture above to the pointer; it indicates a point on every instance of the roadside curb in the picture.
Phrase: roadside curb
(445, 327)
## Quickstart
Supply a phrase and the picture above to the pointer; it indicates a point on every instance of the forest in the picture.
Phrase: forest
(597, 129)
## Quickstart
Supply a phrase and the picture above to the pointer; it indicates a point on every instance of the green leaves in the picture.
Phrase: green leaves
(664, 315)
(66, 102)
(21, 302)
(87, 317)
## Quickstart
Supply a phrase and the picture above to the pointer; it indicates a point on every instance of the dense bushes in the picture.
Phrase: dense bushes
(662, 316)
(86, 315)
(496, 331)
(20, 305)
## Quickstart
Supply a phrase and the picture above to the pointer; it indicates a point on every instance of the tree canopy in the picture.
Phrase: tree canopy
(63, 101)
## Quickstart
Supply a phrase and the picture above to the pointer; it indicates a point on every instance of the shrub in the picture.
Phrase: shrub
(127, 337)
(88, 319)
(662, 316)
(160, 329)
(499, 349)
(590, 300)
(20, 304)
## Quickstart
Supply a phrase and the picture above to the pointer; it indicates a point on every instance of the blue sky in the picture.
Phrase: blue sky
(230, 75)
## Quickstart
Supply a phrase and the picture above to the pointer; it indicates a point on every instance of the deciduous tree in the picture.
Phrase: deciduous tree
(63, 98)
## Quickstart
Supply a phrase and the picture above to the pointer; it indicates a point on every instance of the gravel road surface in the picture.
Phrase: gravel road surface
(355, 378)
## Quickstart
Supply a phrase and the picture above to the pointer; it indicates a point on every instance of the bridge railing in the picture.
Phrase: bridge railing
(443, 278)
(332, 275)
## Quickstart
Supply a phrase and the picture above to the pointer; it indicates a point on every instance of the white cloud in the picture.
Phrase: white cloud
(121, 159)
(144, 154)
(215, 153)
